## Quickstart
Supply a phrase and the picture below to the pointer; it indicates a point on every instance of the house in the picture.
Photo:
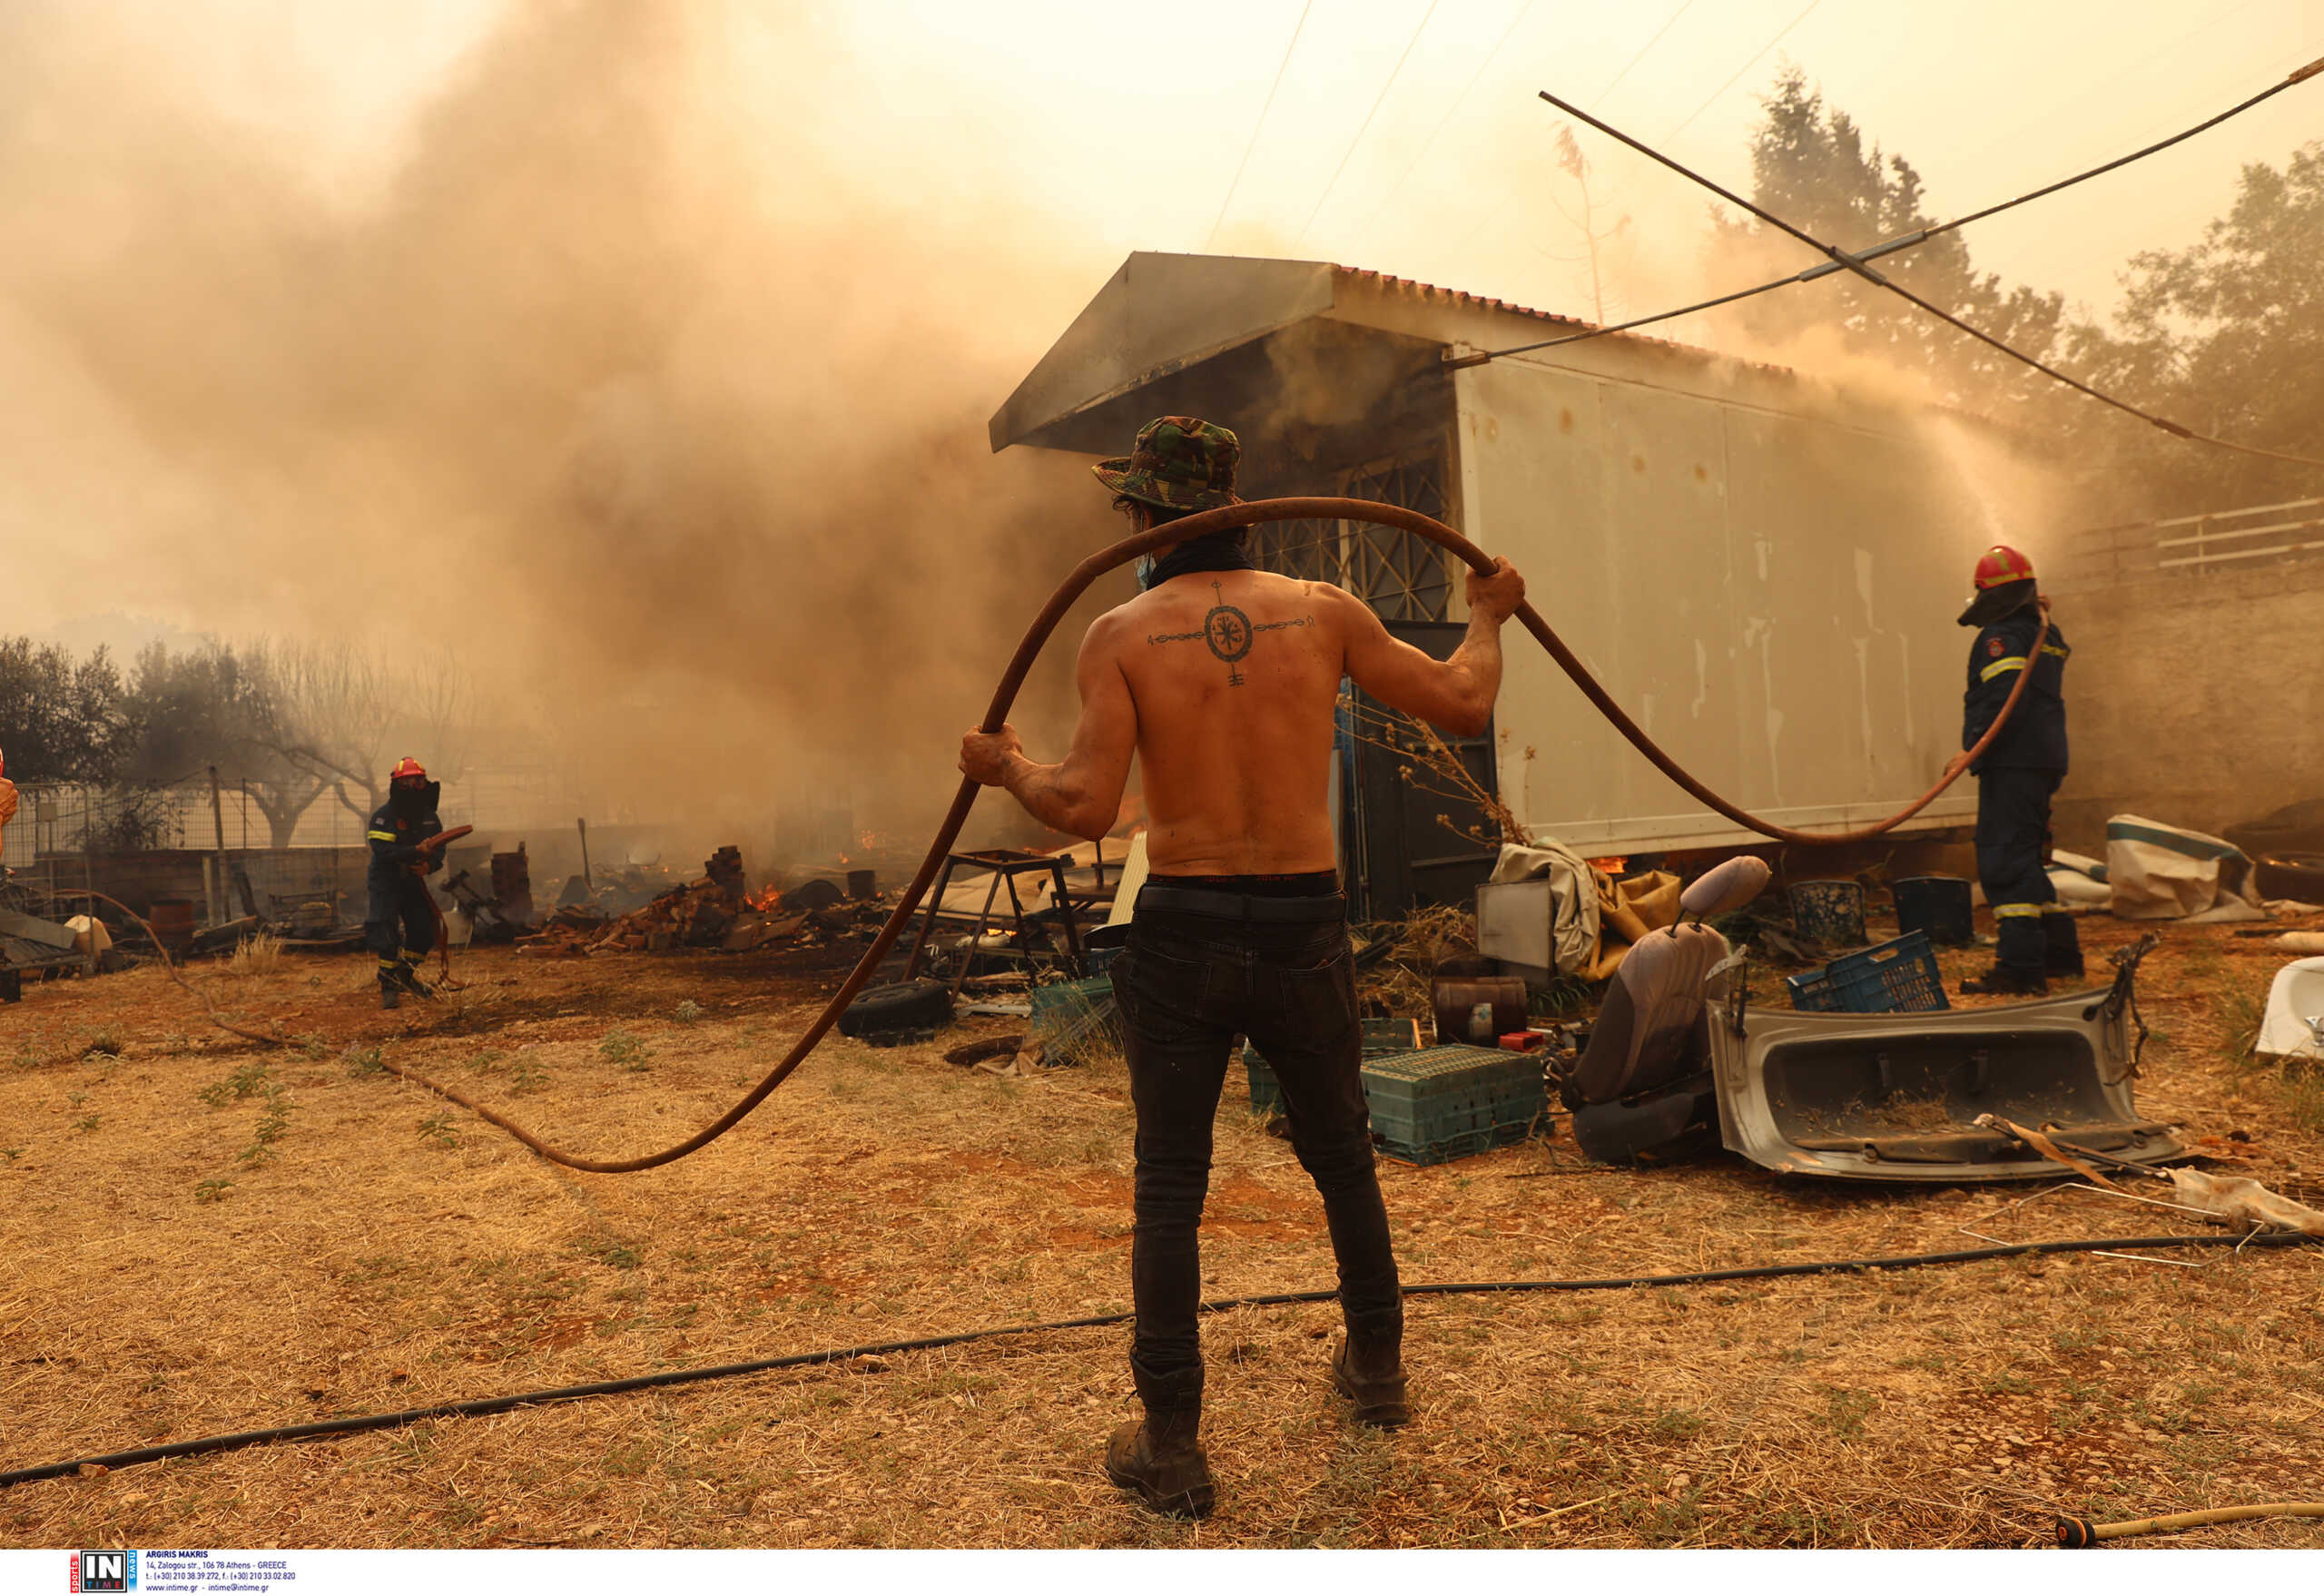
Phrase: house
(1763, 567)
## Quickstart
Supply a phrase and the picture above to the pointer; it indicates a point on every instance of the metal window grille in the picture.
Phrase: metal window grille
(1402, 577)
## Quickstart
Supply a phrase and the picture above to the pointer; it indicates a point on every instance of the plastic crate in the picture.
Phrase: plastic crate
(1450, 1102)
(1381, 1037)
(1432, 1105)
(1070, 1018)
(1895, 977)
(1266, 1091)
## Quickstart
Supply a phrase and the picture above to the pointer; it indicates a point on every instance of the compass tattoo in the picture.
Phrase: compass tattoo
(1229, 633)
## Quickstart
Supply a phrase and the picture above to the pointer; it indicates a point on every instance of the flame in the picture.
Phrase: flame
(764, 898)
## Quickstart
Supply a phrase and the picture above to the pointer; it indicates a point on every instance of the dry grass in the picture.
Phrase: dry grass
(260, 954)
(161, 1282)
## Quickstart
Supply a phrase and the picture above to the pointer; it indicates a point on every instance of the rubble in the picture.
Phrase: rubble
(717, 911)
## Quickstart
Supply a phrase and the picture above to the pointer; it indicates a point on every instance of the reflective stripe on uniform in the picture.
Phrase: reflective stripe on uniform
(387, 963)
(2015, 662)
(2053, 648)
(2016, 909)
(390, 836)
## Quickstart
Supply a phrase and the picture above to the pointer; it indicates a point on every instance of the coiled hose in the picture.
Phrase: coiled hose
(1038, 634)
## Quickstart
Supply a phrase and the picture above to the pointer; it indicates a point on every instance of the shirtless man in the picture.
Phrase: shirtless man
(1221, 679)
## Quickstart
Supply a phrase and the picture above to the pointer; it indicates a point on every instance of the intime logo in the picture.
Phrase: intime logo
(105, 1571)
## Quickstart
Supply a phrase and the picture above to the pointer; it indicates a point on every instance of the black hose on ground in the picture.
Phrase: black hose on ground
(481, 1406)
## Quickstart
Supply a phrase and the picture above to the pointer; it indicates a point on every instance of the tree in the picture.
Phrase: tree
(2226, 336)
(345, 714)
(212, 708)
(1576, 165)
(1809, 166)
(61, 721)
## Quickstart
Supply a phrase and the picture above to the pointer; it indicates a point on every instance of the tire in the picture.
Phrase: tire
(2291, 876)
(812, 894)
(912, 1005)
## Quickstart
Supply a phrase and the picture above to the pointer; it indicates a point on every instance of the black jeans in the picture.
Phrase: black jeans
(1185, 984)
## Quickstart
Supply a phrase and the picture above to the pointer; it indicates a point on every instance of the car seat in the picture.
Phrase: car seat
(1641, 1088)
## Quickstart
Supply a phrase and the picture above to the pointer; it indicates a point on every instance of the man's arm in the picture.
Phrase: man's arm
(1082, 794)
(1457, 693)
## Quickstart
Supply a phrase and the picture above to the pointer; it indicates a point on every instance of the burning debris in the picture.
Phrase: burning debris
(717, 911)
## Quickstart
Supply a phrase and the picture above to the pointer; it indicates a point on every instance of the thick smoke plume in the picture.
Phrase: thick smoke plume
(618, 388)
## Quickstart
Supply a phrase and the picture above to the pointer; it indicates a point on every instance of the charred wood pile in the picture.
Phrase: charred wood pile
(717, 911)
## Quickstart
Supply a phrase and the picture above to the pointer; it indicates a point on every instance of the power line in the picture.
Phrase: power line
(1262, 122)
(1856, 263)
(1740, 71)
(1685, 7)
(1475, 78)
(1904, 242)
(1366, 124)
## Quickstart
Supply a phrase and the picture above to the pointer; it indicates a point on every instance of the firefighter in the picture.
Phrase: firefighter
(2018, 775)
(399, 924)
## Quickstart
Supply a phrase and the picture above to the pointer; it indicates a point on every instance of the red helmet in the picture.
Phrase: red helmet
(2003, 564)
(409, 766)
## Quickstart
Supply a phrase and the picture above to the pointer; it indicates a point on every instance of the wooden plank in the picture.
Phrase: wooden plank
(34, 930)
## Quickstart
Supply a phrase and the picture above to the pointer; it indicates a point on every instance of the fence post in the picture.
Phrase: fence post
(217, 873)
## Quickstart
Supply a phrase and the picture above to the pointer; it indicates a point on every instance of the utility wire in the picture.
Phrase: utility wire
(1740, 71)
(1280, 68)
(1856, 263)
(1904, 242)
(1475, 78)
(1684, 8)
(1368, 116)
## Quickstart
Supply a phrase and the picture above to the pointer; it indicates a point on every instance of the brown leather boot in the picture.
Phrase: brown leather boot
(1160, 1461)
(1374, 1380)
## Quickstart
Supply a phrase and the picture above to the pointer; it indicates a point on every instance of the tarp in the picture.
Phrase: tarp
(2159, 872)
(1627, 910)
(1574, 889)
(1593, 918)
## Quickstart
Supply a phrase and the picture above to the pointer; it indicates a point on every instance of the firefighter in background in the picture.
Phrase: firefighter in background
(2018, 775)
(399, 924)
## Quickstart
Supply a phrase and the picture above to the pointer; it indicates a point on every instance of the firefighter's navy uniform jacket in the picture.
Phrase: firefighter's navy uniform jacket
(398, 923)
(2016, 778)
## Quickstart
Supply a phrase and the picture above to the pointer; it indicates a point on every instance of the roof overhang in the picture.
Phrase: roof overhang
(1156, 315)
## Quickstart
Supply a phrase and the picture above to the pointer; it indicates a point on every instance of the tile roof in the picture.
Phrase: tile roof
(1429, 291)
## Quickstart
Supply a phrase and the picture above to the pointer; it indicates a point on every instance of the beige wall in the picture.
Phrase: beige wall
(1770, 594)
(2195, 700)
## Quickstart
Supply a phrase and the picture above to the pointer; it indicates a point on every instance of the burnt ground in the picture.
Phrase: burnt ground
(201, 1237)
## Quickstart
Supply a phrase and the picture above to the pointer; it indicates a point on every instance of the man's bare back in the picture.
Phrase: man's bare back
(1233, 676)
(1224, 683)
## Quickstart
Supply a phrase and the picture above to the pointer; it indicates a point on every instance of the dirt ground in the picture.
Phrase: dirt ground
(199, 1237)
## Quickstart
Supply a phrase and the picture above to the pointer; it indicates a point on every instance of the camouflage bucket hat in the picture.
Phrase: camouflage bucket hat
(1177, 462)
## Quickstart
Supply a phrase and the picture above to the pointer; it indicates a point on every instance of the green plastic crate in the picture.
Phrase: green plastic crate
(1381, 1037)
(1432, 1105)
(1071, 1017)
(1449, 1102)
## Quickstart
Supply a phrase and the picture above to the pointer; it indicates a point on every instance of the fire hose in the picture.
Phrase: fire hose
(1077, 582)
